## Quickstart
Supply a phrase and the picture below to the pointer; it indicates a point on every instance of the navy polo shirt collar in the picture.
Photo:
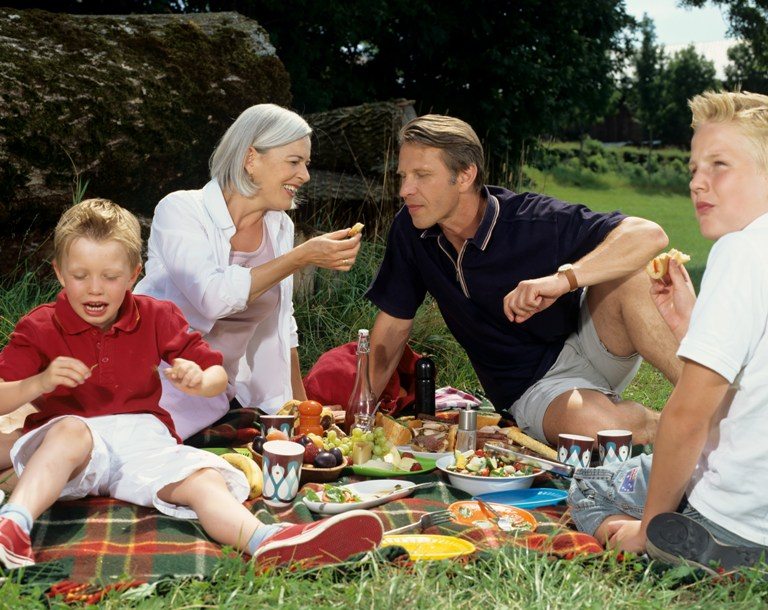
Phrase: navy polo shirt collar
(72, 324)
(485, 228)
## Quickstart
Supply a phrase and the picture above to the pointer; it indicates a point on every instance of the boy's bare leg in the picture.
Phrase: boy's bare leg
(64, 452)
(223, 518)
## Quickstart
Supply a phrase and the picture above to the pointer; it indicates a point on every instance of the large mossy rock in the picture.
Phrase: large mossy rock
(133, 105)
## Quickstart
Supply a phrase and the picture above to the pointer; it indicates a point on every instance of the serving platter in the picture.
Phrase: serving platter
(371, 493)
(367, 471)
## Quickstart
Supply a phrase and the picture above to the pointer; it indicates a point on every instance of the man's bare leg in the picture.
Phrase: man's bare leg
(628, 322)
(587, 411)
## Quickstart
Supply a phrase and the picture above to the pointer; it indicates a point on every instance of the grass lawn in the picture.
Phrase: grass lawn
(510, 578)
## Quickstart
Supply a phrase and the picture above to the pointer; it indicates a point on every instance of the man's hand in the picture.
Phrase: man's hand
(66, 371)
(675, 297)
(626, 536)
(532, 296)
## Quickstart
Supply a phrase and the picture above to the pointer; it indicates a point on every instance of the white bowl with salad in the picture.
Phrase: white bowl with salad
(477, 473)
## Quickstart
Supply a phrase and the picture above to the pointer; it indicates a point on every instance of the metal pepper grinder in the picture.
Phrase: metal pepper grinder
(425, 386)
(466, 436)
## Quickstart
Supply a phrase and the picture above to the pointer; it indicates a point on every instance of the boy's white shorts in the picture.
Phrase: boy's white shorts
(134, 456)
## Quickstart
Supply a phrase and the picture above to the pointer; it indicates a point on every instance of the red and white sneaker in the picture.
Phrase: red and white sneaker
(323, 542)
(15, 545)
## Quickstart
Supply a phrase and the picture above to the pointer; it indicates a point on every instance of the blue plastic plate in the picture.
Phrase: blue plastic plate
(525, 498)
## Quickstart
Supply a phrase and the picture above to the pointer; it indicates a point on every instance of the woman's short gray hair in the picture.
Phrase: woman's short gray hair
(262, 126)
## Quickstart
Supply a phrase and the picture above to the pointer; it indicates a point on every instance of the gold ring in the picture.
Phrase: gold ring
(345, 262)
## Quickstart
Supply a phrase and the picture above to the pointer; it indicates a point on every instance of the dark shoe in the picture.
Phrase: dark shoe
(15, 546)
(676, 539)
(324, 542)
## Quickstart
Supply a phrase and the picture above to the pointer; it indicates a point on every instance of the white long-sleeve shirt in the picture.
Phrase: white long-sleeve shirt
(188, 263)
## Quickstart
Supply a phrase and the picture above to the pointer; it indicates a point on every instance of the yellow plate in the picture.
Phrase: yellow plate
(424, 547)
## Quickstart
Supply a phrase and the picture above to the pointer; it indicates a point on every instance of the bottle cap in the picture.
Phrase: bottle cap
(467, 419)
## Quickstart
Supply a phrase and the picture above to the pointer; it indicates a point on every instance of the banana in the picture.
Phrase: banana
(289, 408)
(250, 469)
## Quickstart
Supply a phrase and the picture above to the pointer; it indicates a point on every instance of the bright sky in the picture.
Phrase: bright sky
(676, 25)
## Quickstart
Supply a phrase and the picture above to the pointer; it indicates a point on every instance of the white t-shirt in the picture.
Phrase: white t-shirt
(728, 334)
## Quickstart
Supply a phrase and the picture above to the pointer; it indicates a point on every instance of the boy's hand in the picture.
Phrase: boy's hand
(626, 536)
(185, 375)
(675, 297)
(66, 371)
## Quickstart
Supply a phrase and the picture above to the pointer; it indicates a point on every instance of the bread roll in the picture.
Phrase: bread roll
(396, 433)
(659, 266)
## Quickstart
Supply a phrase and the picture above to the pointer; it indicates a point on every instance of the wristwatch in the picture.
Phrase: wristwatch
(570, 275)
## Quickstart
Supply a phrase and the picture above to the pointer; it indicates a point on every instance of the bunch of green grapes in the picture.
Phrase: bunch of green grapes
(381, 445)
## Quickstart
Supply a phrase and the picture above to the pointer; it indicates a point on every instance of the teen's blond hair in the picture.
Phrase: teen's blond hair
(749, 111)
(99, 220)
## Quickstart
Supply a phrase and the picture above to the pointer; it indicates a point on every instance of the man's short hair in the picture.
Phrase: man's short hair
(262, 126)
(456, 139)
(99, 220)
(749, 111)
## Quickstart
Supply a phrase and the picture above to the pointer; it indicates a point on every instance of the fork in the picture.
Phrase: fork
(427, 520)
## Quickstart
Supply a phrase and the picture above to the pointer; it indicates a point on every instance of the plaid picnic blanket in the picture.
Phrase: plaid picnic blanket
(105, 541)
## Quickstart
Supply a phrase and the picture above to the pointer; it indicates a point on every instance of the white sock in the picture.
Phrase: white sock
(262, 533)
(18, 514)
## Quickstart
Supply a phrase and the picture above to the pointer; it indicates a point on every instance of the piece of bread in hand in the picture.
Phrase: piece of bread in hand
(355, 229)
(659, 265)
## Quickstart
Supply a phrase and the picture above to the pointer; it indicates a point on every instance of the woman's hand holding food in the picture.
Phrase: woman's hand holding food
(674, 297)
(335, 250)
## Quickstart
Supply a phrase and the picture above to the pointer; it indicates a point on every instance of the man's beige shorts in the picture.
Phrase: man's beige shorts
(584, 363)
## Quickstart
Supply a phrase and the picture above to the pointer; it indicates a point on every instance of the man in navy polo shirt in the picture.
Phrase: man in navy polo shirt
(507, 271)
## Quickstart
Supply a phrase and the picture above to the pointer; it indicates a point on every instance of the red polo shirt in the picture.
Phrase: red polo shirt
(126, 379)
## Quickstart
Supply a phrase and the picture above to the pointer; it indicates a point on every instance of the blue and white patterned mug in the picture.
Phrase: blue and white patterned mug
(281, 464)
(575, 450)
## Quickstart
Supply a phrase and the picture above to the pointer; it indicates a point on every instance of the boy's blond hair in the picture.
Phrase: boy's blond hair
(99, 220)
(749, 111)
(456, 139)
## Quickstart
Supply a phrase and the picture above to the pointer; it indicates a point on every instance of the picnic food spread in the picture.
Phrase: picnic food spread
(659, 266)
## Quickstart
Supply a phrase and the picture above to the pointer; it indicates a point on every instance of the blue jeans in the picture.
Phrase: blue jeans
(621, 489)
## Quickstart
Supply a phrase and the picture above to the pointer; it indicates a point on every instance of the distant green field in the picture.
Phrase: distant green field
(673, 212)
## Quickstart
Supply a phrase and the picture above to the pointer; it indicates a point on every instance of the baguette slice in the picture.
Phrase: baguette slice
(517, 436)
(659, 266)
(355, 229)
(396, 432)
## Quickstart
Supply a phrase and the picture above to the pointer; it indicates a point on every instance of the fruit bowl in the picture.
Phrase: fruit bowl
(309, 473)
(476, 485)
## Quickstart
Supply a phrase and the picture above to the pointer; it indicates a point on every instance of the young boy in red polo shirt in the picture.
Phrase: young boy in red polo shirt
(89, 364)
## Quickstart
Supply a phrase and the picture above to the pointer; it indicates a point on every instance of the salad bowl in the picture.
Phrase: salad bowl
(476, 484)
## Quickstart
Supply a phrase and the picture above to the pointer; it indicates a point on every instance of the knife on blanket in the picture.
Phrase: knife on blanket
(564, 470)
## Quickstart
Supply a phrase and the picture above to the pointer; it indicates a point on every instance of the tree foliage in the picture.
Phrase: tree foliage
(746, 71)
(685, 74)
(514, 69)
(645, 92)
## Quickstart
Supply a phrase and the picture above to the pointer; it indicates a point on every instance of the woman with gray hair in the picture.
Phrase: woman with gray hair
(225, 255)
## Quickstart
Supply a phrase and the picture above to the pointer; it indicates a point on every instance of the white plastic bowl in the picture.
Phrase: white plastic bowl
(476, 485)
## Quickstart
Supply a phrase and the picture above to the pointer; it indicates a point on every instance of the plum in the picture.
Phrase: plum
(338, 455)
(325, 459)
(258, 444)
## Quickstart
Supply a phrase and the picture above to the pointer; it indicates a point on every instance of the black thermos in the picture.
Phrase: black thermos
(425, 386)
